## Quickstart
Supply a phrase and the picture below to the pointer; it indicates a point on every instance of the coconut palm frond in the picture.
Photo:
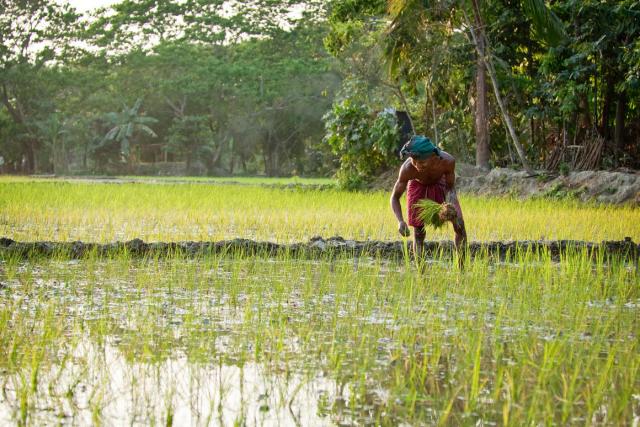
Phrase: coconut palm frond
(547, 27)
(403, 31)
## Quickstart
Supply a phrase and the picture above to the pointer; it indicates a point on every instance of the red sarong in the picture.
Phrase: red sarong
(417, 191)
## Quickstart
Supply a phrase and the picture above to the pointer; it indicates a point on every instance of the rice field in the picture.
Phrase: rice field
(257, 340)
(105, 212)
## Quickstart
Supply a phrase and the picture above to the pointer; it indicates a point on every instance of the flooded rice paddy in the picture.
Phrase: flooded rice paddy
(241, 340)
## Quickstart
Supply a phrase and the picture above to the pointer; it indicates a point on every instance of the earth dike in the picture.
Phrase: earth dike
(317, 246)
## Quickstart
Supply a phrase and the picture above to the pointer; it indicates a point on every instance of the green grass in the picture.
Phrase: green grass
(65, 211)
(526, 342)
(249, 180)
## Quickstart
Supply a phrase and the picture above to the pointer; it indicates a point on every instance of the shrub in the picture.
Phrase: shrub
(366, 142)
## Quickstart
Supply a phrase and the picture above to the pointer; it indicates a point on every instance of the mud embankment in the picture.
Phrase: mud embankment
(316, 247)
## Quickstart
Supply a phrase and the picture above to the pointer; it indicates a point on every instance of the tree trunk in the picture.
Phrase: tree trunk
(496, 90)
(216, 154)
(28, 144)
(55, 151)
(583, 121)
(532, 127)
(266, 154)
(65, 157)
(275, 162)
(605, 128)
(619, 130)
(29, 153)
(507, 119)
(85, 155)
(481, 122)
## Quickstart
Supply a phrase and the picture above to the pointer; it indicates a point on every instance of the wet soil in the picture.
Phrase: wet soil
(317, 246)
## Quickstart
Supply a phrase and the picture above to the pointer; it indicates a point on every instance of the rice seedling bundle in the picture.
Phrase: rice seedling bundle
(435, 214)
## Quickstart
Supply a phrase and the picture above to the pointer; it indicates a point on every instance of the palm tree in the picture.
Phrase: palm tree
(407, 22)
(126, 124)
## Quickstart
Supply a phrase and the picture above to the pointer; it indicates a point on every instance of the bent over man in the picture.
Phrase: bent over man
(427, 172)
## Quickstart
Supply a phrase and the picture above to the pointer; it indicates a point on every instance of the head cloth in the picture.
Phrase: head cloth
(419, 147)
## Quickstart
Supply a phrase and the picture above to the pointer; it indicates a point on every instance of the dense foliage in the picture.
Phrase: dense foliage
(366, 142)
(274, 87)
(162, 87)
(554, 86)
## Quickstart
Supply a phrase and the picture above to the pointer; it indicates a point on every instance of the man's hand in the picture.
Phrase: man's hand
(447, 212)
(403, 229)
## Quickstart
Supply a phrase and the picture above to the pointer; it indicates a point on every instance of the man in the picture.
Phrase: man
(427, 172)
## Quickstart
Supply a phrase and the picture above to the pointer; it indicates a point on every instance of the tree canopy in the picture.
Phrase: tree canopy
(281, 87)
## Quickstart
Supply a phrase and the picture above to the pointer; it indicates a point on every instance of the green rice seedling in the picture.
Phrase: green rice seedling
(67, 211)
(526, 340)
(435, 214)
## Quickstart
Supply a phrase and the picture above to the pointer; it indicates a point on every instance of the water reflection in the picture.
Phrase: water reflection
(99, 385)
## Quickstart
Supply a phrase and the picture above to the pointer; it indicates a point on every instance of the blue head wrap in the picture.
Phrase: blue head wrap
(419, 147)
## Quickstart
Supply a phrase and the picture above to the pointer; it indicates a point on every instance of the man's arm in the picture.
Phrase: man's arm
(398, 190)
(452, 198)
(450, 181)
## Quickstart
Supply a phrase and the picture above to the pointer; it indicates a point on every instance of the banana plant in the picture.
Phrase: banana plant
(52, 132)
(126, 125)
